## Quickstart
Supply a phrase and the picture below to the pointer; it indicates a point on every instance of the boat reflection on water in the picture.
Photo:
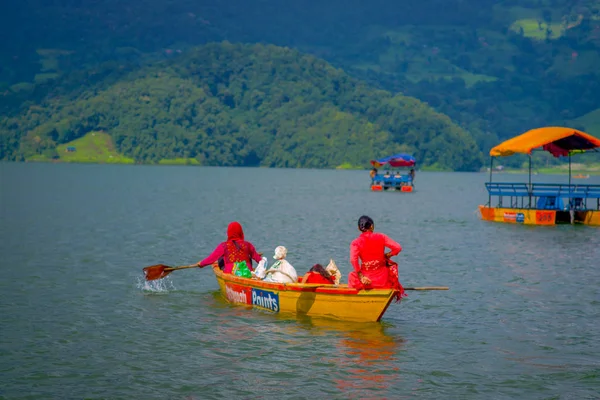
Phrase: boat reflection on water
(365, 355)
(350, 359)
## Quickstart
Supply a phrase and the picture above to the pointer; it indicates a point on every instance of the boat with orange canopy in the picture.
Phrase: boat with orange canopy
(543, 203)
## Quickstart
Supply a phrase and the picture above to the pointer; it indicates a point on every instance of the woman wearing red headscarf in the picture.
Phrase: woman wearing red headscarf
(376, 270)
(235, 249)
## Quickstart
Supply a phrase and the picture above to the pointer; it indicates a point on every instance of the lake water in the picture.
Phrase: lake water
(521, 318)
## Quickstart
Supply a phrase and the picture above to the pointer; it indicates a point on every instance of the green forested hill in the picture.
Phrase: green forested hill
(496, 67)
(226, 104)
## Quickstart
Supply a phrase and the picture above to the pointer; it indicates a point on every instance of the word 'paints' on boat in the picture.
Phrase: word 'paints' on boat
(399, 174)
(537, 203)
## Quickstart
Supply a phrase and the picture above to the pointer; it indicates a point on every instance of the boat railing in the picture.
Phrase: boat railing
(545, 195)
(514, 191)
(564, 196)
(391, 180)
(551, 189)
(581, 193)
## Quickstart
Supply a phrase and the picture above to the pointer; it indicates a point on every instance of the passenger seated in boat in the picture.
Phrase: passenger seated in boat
(397, 175)
(235, 249)
(282, 271)
(318, 274)
(373, 268)
(373, 173)
(387, 174)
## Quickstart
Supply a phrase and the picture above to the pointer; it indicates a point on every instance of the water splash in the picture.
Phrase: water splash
(157, 286)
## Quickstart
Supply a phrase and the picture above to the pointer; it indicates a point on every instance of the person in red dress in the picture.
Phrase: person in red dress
(375, 269)
(235, 249)
(318, 274)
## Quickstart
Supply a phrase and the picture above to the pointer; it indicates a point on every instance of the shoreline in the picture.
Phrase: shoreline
(550, 172)
(594, 171)
(192, 164)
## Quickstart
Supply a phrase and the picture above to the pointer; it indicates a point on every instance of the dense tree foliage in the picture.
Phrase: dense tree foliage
(227, 104)
(496, 67)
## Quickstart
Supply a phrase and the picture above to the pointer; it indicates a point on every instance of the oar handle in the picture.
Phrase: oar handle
(427, 288)
(182, 267)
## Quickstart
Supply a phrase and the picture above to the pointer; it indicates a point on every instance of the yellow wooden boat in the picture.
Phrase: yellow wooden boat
(315, 300)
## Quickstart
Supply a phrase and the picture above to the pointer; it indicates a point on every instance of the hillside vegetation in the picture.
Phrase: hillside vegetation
(497, 68)
(226, 104)
(503, 69)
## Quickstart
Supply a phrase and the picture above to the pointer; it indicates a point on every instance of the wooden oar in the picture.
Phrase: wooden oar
(427, 288)
(159, 271)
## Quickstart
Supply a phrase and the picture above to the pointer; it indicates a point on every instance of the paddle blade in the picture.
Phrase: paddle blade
(158, 271)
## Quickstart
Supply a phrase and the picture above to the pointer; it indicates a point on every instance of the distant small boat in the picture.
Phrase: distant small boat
(393, 180)
(581, 176)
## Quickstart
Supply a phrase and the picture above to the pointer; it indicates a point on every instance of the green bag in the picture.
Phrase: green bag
(241, 269)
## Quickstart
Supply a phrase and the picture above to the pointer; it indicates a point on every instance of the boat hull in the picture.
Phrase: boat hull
(379, 188)
(528, 216)
(315, 300)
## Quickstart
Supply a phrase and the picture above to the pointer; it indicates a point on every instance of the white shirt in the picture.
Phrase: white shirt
(287, 275)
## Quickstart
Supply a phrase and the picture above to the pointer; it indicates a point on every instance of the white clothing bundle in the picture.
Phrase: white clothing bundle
(334, 271)
(282, 272)
(261, 269)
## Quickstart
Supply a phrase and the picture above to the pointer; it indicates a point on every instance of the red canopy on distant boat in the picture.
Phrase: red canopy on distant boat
(397, 160)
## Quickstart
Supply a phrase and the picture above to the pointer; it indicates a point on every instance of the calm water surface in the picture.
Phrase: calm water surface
(521, 319)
